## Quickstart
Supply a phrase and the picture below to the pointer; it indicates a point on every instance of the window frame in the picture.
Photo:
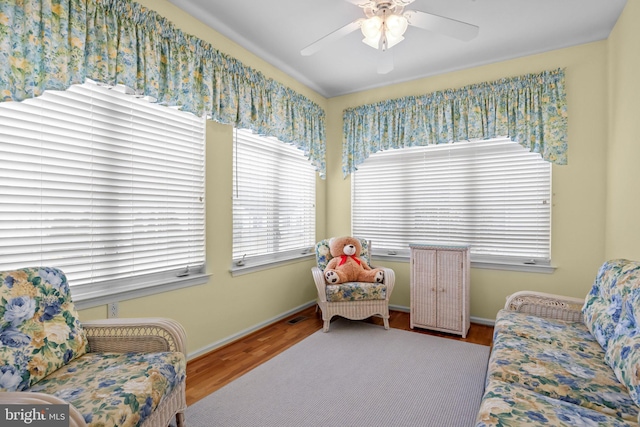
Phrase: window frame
(89, 293)
(250, 264)
(522, 264)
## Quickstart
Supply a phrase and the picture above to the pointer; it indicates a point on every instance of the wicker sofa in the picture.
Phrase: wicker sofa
(113, 372)
(565, 361)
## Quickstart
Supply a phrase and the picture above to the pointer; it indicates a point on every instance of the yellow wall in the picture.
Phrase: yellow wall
(623, 177)
(579, 188)
(585, 232)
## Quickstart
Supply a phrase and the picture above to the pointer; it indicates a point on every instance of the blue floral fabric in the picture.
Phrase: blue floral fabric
(47, 44)
(603, 305)
(39, 326)
(623, 351)
(116, 389)
(511, 405)
(559, 360)
(356, 291)
(530, 109)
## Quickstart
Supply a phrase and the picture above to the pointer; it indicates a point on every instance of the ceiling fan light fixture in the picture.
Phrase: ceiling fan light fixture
(374, 42)
(396, 25)
(372, 27)
(390, 41)
(384, 30)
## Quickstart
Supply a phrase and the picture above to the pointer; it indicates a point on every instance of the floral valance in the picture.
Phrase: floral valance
(53, 44)
(530, 109)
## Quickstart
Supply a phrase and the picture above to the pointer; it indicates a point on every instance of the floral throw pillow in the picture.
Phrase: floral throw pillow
(39, 326)
(323, 253)
(623, 353)
(604, 304)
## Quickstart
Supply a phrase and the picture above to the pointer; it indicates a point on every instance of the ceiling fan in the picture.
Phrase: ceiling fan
(385, 24)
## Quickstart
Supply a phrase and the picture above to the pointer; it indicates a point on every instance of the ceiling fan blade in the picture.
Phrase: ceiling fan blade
(331, 37)
(361, 3)
(385, 61)
(365, 3)
(439, 24)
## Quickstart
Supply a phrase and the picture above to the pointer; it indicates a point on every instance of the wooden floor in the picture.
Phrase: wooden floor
(213, 370)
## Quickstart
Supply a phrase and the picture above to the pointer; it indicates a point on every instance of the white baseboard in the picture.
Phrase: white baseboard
(286, 314)
(399, 308)
(483, 321)
(247, 331)
(474, 319)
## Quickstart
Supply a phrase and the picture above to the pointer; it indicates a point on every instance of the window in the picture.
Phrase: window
(105, 186)
(494, 195)
(274, 191)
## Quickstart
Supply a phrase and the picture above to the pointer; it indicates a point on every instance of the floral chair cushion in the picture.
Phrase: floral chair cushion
(39, 326)
(356, 291)
(603, 306)
(623, 352)
(323, 254)
(116, 389)
(511, 405)
(559, 360)
(350, 291)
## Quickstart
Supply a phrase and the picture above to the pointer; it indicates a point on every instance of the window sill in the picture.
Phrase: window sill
(486, 265)
(252, 267)
(521, 267)
(102, 294)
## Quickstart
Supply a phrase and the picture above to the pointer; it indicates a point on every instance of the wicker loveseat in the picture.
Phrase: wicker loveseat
(565, 361)
(114, 372)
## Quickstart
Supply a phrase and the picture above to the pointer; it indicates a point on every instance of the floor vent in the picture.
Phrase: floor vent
(296, 320)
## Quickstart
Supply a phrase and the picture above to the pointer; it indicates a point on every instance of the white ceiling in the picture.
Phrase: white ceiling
(277, 30)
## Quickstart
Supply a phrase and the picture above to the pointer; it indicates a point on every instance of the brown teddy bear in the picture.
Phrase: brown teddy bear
(345, 266)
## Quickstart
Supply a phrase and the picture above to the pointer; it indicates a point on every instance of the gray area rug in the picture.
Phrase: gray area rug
(356, 375)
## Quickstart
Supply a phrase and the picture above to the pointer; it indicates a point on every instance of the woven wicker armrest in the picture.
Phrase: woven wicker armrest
(135, 335)
(318, 279)
(546, 305)
(389, 280)
(27, 398)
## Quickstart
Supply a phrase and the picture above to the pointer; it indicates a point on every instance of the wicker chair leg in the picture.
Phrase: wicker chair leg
(180, 420)
(325, 328)
(386, 322)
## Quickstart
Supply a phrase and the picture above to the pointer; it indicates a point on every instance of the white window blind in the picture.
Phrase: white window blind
(493, 195)
(103, 185)
(274, 190)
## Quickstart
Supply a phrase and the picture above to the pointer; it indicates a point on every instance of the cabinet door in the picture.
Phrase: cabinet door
(423, 287)
(449, 289)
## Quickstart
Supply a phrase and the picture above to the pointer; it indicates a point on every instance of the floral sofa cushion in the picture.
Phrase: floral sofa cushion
(571, 335)
(323, 254)
(623, 352)
(39, 326)
(603, 305)
(506, 404)
(559, 360)
(116, 389)
(356, 291)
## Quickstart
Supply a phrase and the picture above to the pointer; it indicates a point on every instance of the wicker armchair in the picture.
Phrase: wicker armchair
(354, 301)
(109, 372)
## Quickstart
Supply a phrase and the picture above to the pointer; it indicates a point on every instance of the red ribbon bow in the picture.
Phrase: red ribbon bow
(343, 259)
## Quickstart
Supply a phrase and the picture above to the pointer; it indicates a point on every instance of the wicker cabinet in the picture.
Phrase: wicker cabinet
(440, 288)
